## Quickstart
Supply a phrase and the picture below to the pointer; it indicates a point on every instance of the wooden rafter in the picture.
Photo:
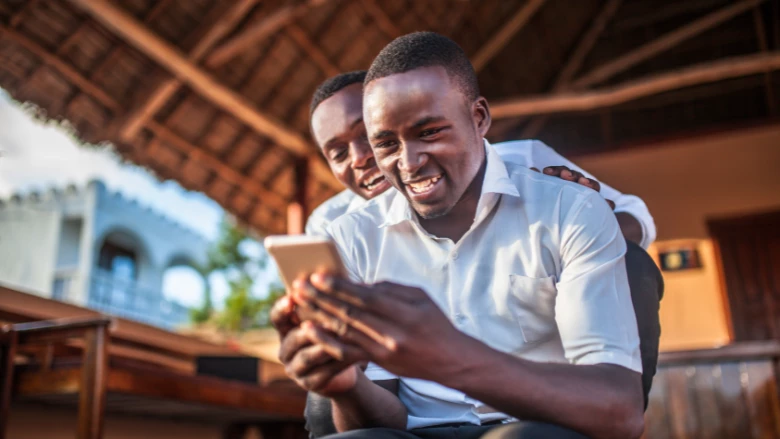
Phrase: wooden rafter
(383, 22)
(303, 41)
(573, 64)
(205, 85)
(210, 161)
(662, 44)
(259, 31)
(673, 80)
(507, 31)
(65, 69)
(167, 88)
(763, 45)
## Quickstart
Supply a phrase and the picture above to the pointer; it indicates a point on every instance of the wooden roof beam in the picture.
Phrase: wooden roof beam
(259, 31)
(224, 171)
(61, 66)
(703, 73)
(664, 43)
(135, 120)
(498, 41)
(303, 41)
(573, 64)
(383, 22)
(221, 96)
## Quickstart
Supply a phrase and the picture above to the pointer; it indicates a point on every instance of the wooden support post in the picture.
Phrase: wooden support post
(296, 211)
(8, 341)
(94, 371)
(763, 45)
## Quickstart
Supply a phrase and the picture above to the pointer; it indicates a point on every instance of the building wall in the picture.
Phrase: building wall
(25, 423)
(160, 241)
(685, 183)
(28, 244)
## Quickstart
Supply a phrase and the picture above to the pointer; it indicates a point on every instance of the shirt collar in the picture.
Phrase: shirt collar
(496, 181)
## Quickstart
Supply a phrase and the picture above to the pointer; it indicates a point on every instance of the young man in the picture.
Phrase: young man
(337, 127)
(348, 382)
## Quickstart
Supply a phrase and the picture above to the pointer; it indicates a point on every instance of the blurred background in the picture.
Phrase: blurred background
(147, 146)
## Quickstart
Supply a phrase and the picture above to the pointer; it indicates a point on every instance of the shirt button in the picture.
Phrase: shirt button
(454, 255)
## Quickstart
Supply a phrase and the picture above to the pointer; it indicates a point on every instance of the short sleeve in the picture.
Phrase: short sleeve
(593, 309)
(543, 156)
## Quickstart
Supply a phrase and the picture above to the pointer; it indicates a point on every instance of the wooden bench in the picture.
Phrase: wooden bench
(90, 363)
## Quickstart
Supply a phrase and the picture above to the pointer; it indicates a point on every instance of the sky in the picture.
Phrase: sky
(35, 155)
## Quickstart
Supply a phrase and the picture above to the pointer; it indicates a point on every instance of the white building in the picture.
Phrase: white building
(95, 248)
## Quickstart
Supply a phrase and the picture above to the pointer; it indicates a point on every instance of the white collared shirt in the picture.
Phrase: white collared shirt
(529, 153)
(539, 275)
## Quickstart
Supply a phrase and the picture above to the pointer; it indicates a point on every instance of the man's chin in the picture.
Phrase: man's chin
(430, 211)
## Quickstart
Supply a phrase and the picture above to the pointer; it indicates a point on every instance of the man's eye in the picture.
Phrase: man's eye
(338, 155)
(387, 144)
(430, 132)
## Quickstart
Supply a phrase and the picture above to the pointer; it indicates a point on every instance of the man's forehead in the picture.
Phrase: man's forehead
(405, 94)
(338, 112)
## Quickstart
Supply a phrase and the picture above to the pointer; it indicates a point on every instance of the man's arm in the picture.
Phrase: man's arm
(369, 404)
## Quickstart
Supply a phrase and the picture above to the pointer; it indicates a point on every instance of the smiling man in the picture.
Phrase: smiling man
(336, 115)
(491, 293)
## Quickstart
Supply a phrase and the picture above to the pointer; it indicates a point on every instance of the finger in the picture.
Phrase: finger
(589, 182)
(554, 171)
(611, 204)
(343, 349)
(535, 169)
(306, 359)
(333, 314)
(384, 299)
(283, 315)
(571, 175)
(293, 342)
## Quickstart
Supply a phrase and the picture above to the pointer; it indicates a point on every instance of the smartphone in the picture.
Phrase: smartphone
(301, 255)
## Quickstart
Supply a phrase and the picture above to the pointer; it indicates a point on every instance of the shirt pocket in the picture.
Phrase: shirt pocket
(533, 306)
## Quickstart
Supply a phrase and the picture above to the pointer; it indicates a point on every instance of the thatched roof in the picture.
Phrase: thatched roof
(214, 94)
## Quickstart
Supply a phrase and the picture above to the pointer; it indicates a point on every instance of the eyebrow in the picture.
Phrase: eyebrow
(419, 124)
(354, 123)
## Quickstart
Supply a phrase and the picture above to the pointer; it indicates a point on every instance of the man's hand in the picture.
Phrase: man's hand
(399, 327)
(304, 353)
(572, 175)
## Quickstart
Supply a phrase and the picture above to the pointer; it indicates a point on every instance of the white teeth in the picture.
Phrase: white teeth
(373, 183)
(422, 186)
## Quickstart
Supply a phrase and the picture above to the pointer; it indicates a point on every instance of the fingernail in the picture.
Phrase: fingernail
(566, 174)
(548, 171)
(297, 283)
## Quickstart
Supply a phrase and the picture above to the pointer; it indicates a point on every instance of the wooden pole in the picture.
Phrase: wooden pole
(695, 75)
(297, 210)
(92, 394)
(8, 341)
(167, 88)
(258, 32)
(500, 39)
(303, 41)
(664, 43)
(229, 101)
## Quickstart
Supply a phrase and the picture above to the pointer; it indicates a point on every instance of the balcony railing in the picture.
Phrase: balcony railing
(125, 298)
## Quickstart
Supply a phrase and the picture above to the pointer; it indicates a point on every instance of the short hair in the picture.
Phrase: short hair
(426, 49)
(333, 85)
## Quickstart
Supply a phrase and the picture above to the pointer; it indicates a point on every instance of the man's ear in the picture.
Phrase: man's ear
(481, 114)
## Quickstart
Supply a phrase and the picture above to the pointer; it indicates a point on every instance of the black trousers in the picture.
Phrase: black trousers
(515, 430)
(647, 288)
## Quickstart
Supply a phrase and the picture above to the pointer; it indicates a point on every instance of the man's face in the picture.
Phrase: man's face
(426, 136)
(337, 125)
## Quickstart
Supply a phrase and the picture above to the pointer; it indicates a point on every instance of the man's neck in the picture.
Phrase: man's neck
(457, 222)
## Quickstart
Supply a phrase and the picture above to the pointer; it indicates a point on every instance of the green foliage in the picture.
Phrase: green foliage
(231, 256)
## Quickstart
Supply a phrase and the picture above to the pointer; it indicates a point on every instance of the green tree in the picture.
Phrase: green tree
(232, 257)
